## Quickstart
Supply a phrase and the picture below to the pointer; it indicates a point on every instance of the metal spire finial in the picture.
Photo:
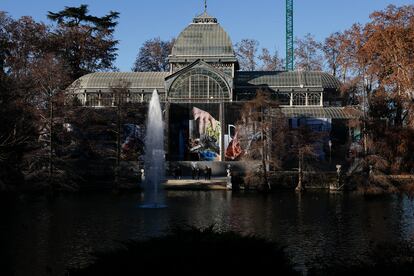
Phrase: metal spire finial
(204, 18)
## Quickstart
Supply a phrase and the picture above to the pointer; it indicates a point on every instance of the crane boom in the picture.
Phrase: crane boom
(289, 36)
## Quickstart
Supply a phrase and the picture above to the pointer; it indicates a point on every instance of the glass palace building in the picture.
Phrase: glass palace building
(204, 90)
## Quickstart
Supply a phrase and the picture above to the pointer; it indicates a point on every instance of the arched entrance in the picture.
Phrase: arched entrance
(199, 85)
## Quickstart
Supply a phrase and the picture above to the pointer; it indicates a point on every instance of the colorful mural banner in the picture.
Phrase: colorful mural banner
(205, 133)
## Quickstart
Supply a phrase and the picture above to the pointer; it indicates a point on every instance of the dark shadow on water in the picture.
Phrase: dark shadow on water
(315, 228)
(193, 252)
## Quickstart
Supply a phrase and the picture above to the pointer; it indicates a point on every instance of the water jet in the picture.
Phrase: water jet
(154, 159)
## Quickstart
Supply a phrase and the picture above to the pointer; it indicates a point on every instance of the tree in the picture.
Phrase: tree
(33, 78)
(23, 42)
(307, 54)
(358, 81)
(16, 132)
(389, 47)
(51, 79)
(331, 50)
(119, 92)
(302, 143)
(271, 62)
(261, 132)
(246, 51)
(153, 56)
(4, 39)
(85, 42)
(376, 64)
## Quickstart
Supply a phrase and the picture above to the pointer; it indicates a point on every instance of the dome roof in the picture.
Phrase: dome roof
(203, 38)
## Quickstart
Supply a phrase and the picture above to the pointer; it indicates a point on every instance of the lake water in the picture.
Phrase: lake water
(40, 237)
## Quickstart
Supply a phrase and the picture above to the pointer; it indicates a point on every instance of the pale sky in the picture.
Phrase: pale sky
(263, 20)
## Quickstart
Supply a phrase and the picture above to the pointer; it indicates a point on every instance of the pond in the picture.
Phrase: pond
(40, 236)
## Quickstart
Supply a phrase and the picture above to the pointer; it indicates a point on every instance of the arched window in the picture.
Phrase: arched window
(299, 98)
(314, 98)
(199, 84)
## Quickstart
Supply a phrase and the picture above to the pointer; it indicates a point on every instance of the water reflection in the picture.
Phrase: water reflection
(43, 237)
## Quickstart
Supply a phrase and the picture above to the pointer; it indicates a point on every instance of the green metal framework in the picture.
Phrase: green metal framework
(319, 112)
(289, 36)
(199, 84)
(298, 80)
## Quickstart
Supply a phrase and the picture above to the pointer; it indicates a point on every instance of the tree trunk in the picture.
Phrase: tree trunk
(264, 165)
(398, 115)
(51, 141)
(299, 187)
(265, 179)
(118, 146)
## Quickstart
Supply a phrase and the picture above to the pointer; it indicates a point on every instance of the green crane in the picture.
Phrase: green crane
(289, 36)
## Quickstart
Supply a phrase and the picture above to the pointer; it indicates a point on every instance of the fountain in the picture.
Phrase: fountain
(154, 156)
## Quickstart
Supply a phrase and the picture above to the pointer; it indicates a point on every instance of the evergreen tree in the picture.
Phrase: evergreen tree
(83, 41)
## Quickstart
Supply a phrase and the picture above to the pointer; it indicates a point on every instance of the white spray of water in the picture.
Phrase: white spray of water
(154, 156)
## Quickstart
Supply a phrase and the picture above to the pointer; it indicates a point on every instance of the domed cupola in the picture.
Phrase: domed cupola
(206, 40)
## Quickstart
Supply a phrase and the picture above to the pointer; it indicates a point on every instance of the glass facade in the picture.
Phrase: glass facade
(92, 99)
(199, 84)
(283, 98)
(136, 97)
(314, 98)
(107, 99)
(299, 98)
